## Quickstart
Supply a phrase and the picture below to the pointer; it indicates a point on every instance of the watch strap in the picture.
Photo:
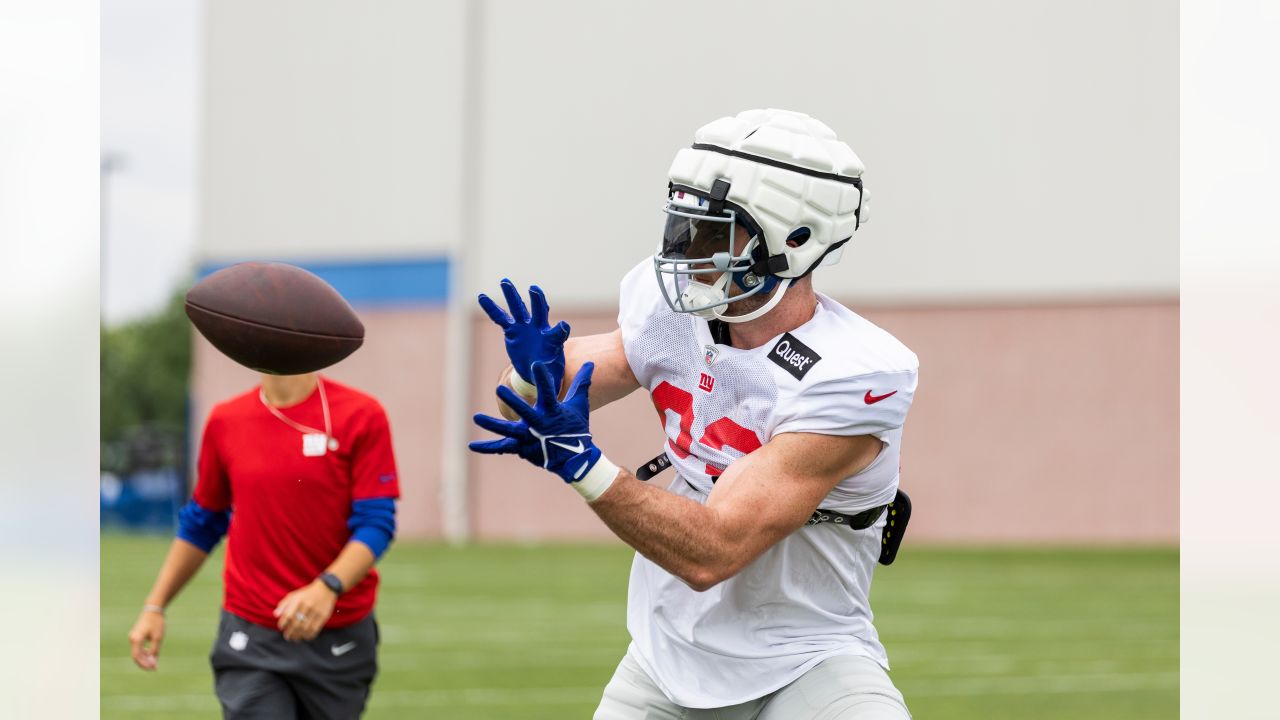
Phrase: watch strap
(332, 582)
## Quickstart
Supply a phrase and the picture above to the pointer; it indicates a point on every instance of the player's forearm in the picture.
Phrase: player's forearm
(612, 379)
(680, 535)
(352, 564)
(180, 565)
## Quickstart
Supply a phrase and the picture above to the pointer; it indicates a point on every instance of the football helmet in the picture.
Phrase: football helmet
(761, 199)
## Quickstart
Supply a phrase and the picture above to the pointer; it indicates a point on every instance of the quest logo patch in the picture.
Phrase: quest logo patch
(794, 356)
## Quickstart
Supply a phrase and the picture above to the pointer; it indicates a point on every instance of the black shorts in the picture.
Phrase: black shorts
(259, 674)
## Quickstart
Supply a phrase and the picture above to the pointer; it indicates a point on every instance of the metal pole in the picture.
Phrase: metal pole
(455, 458)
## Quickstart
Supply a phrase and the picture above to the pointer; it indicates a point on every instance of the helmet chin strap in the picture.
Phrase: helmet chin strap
(773, 301)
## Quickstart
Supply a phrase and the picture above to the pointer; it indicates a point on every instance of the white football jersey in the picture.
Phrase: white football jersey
(806, 598)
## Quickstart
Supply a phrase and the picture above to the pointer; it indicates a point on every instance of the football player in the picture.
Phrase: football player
(782, 408)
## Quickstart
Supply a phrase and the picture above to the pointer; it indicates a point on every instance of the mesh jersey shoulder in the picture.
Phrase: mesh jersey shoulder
(857, 378)
(643, 316)
(838, 374)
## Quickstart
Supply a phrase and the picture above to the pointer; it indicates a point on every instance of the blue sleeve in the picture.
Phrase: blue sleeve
(200, 527)
(373, 522)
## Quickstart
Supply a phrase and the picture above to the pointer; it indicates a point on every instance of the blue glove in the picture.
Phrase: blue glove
(529, 338)
(550, 434)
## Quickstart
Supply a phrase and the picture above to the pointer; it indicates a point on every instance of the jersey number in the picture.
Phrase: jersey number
(718, 435)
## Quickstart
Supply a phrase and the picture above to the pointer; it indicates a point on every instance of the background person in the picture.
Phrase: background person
(300, 475)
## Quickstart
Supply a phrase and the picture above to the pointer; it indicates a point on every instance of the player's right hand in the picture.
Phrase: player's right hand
(551, 434)
(145, 639)
(530, 339)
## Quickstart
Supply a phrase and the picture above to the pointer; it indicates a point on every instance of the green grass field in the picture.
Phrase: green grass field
(535, 632)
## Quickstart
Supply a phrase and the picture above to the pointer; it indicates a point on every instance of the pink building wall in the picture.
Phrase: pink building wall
(1048, 424)
(1032, 424)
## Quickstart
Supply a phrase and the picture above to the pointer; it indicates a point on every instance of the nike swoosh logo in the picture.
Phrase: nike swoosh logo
(338, 650)
(571, 448)
(873, 399)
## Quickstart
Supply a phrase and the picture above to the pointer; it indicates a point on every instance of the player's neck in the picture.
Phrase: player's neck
(795, 309)
(286, 390)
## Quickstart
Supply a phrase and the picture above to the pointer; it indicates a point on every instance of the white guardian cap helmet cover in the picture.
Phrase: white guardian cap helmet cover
(781, 175)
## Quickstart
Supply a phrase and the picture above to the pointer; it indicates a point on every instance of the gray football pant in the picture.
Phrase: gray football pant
(258, 675)
(844, 687)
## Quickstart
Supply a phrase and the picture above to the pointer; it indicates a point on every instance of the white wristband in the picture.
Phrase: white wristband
(597, 480)
(523, 388)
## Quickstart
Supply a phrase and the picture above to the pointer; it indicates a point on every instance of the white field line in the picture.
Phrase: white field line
(920, 667)
(121, 664)
(389, 698)
(1012, 685)
(1046, 684)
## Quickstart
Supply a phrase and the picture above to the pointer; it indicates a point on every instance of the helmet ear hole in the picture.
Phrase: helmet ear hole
(798, 237)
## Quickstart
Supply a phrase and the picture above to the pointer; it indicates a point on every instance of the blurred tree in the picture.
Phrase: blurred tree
(145, 366)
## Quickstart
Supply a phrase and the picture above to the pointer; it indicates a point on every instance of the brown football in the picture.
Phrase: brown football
(274, 318)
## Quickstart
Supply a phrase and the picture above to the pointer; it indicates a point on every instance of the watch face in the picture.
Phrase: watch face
(332, 582)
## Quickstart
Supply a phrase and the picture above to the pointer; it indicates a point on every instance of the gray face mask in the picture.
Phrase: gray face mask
(698, 245)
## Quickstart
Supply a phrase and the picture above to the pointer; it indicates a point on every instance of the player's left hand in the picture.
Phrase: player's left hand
(529, 335)
(303, 612)
(550, 434)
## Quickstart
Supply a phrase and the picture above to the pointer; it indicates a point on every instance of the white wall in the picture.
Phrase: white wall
(330, 128)
(1015, 150)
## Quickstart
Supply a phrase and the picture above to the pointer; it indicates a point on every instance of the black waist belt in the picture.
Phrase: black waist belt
(861, 521)
(894, 529)
(890, 538)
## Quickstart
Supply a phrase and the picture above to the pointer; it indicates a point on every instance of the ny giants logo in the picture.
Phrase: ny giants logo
(706, 382)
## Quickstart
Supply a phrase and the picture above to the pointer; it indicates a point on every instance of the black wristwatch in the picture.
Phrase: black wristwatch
(332, 582)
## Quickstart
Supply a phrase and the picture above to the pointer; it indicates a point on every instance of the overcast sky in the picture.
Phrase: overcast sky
(151, 52)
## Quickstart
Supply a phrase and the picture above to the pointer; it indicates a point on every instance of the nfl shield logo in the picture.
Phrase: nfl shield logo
(710, 354)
